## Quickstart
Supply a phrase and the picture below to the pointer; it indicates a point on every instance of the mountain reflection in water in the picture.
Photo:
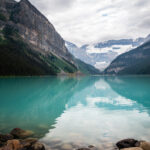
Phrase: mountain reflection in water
(83, 111)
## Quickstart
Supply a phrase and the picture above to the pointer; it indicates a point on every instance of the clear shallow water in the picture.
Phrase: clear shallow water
(80, 111)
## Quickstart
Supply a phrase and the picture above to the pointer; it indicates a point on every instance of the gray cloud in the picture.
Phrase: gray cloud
(53, 6)
(90, 21)
(145, 23)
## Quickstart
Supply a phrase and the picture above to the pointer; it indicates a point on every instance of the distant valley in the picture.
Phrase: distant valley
(100, 55)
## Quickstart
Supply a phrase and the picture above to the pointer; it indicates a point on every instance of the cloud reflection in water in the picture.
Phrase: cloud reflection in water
(100, 116)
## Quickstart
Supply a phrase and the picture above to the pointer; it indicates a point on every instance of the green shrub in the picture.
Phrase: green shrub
(9, 30)
(1, 39)
(2, 17)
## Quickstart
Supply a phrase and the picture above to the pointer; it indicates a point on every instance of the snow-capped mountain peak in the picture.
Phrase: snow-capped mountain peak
(101, 54)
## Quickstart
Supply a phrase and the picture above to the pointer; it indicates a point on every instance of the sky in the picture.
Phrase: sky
(91, 21)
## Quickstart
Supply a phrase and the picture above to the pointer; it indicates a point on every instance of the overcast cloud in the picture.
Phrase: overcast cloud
(91, 21)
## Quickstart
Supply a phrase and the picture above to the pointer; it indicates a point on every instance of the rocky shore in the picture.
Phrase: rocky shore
(19, 139)
(132, 144)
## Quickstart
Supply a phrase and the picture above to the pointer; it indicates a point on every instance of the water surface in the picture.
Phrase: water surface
(79, 111)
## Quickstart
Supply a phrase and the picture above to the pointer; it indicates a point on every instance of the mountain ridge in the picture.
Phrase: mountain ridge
(136, 61)
(21, 22)
(101, 54)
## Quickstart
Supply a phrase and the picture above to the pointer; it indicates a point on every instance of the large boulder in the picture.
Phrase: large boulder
(14, 145)
(145, 145)
(21, 134)
(127, 143)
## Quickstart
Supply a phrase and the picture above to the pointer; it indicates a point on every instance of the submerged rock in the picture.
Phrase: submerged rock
(20, 134)
(90, 146)
(127, 143)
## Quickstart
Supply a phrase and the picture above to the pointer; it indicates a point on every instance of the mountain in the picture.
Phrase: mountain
(136, 61)
(30, 45)
(100, 55)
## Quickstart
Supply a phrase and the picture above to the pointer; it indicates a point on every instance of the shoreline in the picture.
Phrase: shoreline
(66, 75)
(19, 139)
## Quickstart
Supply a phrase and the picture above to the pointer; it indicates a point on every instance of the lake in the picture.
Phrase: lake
(78, 111)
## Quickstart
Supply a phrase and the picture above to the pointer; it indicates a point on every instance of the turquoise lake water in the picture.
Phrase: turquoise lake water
(78, 111)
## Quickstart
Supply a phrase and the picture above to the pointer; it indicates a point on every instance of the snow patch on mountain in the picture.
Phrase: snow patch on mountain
(115, 48)
(100, 55)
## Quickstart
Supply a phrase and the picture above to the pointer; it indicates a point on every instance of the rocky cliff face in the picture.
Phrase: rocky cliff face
(136, 61)
(30, 45)
(35, 29)
(7, 6)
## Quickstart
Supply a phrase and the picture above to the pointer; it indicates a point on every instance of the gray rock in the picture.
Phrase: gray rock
(90, 146)
(126, 143)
